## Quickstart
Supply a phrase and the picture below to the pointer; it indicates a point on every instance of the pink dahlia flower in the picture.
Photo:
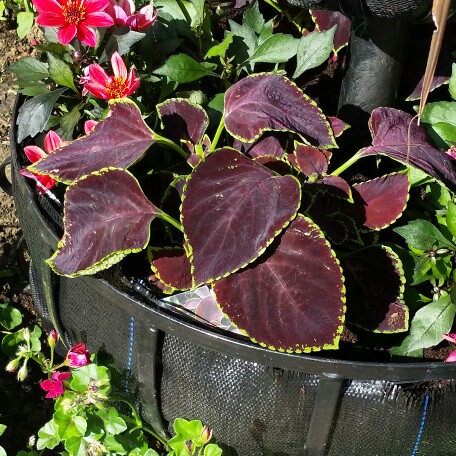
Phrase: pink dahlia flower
(123, 13)
(52, 141)
(100, 84)
(54, 386)
(74, 17)
(78, 355)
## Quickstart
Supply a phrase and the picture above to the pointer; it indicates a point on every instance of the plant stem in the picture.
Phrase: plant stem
(274, 5)
(171, 145)
(137, 419)
(218, 133)
(167, 218)
(346, 165)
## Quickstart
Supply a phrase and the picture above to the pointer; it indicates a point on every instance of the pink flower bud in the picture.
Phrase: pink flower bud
(206, 435)
(53, 338)
(78, 356)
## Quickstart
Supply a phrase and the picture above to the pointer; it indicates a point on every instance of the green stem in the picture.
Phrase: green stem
(346, 165)
(171, 145)
(274, 5)
(167, 218)
(218, 133)
(137, 421)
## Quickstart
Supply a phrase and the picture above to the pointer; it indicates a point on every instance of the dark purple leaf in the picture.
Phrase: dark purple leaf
(311, 161)
(275, 164)
(118, 141)
(324, 20)
(269, 101)
(379, 202)
(338, 126)
(106, 217)
(272, 144)
(375, 282)
(390, 128)
(182, 120)
(292, 300)
(232, 209)
(172, 267)
(336, 186)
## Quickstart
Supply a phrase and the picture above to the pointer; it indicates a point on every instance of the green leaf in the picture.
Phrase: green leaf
(2, 9)
(24, 23)
(48, 436)
(451, 218)
(313, 50)
(2, 451)
(278, 48)
(2, 429)
(121, 40)
(405, 350)
(423, 235)
(219, 50)
(70, 426)
(182, 68)
(61, 72)
(442, 111)
(113, 423)
(198, 15)
(244, 42)
(452, 84)
(76, 446)
(33, 90)
(445, 131)
(10, 317)
(29, 69)
(69, 121)
(430, 323)
(212, 450)
(91, 375)
(34, 114)
(254, 19)
(188, 430)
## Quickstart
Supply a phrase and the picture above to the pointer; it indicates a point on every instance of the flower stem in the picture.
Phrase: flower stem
(346, 165)
(218, 133)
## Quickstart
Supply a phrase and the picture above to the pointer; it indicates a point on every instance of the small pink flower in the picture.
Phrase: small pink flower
(74, 18)
(122, 13)
(451, 153)
(451, 337)
(54, 386)
(52, 141)
(100, 84)
(78, 355)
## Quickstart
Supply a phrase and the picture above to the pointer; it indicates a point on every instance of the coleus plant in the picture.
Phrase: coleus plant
(284, 243)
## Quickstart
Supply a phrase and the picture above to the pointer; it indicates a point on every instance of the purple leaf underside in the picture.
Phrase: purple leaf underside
(312, 161)
(338, 126)
(172, 267)
(324, 20)
(272, 144)
(183, 120)
(375, 282)
(390, 129)
(269, 101)
(106, 216)
(275, 164)
(118, 141)
(379, 202)
(294, 298)
(232, 209)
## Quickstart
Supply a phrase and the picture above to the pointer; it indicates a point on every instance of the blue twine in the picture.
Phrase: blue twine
(130, 353)
(423, 421)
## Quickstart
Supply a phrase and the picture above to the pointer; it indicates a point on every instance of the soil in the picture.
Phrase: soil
(23, 408)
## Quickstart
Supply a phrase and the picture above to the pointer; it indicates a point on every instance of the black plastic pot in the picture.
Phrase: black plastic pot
(259, 402)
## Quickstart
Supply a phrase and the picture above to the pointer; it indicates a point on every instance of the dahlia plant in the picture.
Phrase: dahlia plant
(207, 159)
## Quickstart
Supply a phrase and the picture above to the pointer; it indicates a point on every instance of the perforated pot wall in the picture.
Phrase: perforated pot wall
(256, 400)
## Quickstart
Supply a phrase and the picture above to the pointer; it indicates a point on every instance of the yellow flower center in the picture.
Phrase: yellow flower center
(74, 12)
(117, 87)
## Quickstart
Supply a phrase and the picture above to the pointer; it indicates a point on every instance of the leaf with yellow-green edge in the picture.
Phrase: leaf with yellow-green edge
(375, 286)
(271, 102)
(293, 297)
(232, 209)
(119, 140)
(106, 217)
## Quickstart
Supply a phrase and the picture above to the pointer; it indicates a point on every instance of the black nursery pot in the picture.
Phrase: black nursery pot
(258, 402)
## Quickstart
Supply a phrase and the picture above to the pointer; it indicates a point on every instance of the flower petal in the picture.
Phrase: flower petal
(66, 33)
(95, 5)
(451, 358)
(98, 75)
(132, 82)
(128, 6)
(52, 141)
(99, 19)
(97, 90)
(50, 20)
(118, 66)
(87, 34)
(34, 153)
(89, 126)
(451, 337)
(49, 6)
